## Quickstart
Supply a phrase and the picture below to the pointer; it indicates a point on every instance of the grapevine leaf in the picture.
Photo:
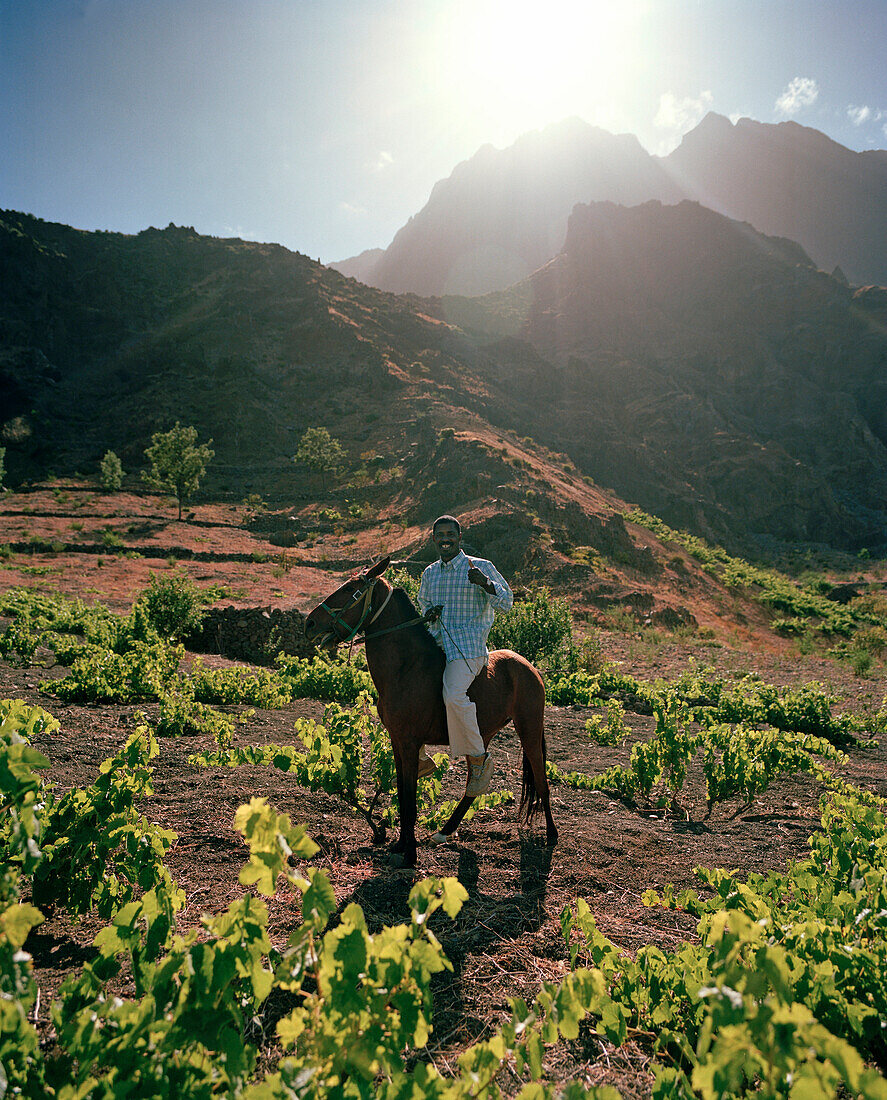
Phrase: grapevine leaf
(454, 896)
(17, 921)
(291, 1027)
(319, 900)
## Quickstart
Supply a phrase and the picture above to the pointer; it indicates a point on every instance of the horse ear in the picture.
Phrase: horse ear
(378, 569)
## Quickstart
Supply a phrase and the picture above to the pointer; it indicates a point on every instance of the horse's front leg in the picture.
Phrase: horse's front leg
(397, 847)
(454, 820)
(407, 766)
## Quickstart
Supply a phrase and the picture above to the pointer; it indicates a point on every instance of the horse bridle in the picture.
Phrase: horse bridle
(365, 594)
(364, 621)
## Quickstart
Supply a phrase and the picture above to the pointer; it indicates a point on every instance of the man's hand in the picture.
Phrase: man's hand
(476, 576)
(433, 613)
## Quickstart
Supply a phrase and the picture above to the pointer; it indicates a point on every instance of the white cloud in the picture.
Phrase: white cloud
(859, 115)
(382, 161)
(675, 117)
(681, 114)
(239, 232)
(801, 92)
(352, 210)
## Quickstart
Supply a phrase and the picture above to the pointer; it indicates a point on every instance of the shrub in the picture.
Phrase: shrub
(111, 472)
(333, 679)
(610, 731)
(539, 628)
(182, 715)
(172, 604)
(143, 672)
(231, 686)
(400, 578)
(861, 662)
(112, 540)
(789, 627)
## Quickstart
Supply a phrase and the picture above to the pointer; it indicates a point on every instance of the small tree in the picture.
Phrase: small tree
(540, 628)
(111, 472)
(178, 462)
(172, 604)
(321, 452)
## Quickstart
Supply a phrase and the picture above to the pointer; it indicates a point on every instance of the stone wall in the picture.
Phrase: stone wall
(254, 634)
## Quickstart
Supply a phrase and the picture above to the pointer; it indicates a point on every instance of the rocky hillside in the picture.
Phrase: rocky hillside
(503, 213)
(792, 181)
(693, 366)
(106, 338)
(709, 372)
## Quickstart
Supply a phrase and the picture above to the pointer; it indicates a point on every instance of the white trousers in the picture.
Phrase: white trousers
(465, 738)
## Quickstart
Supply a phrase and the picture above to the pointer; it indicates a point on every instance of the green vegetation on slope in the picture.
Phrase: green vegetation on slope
(803, 604)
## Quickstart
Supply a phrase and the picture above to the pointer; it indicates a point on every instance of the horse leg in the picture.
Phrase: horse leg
(398, 846)
(529, 726)
(463, 806)
(407, 766)
(455, 818)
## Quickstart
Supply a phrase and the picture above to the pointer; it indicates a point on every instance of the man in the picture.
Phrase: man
(470, 591)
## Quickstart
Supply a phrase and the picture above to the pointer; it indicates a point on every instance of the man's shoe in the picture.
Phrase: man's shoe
(426, 766)
(479, 776)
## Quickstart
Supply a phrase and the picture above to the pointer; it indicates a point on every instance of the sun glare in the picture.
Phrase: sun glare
(524, 64)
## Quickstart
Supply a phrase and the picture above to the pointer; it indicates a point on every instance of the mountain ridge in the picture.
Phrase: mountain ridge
(671, 290)
(495, 219)
(501, 213)
(629, 352)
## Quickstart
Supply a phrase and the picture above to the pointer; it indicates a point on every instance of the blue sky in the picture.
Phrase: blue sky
(324, 124)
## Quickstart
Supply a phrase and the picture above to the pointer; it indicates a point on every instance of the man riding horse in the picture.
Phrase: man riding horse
(408, 666)
(468, 592)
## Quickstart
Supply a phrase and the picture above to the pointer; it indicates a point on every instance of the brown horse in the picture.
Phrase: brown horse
(407, 665)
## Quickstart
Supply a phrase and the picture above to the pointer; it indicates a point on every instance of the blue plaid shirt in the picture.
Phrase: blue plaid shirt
(468, 611)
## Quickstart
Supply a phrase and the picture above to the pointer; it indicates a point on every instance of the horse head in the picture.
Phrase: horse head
(341, 615)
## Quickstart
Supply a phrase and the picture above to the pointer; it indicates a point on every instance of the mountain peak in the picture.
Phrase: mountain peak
(713, 123)
(502, 213)
(793, 181)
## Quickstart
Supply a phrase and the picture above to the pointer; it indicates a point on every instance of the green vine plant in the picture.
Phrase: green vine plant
(740, 759)
(782, 993)
(805, 606)
(348, 754)
(361, 1001)
(611, 732)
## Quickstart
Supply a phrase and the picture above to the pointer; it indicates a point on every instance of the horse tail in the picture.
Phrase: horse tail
(530, 797)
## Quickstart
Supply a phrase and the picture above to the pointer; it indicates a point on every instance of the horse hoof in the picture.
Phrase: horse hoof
(439, 838)
(401, 862)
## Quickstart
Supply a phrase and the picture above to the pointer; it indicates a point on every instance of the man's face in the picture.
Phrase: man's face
(447, 539)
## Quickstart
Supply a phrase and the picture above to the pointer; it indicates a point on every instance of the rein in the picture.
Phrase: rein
(352, 632)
